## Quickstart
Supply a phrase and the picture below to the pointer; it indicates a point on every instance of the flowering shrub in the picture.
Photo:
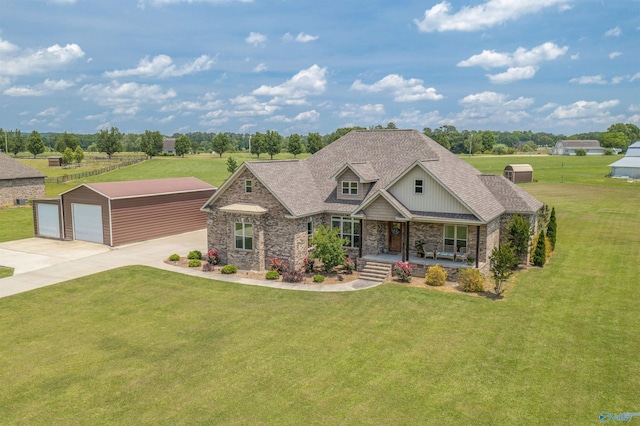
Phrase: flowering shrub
(403, 271)
(293, 276)
(212, 257)
(278, 264)
(349, 266)
(207, 267)
(436, 275)
(308, 264)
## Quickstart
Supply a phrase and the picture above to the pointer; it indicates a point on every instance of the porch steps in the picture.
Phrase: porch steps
(374, 271)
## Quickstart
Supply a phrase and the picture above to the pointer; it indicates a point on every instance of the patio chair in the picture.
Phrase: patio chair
(462, 254)
(430, 251)
(445, 252)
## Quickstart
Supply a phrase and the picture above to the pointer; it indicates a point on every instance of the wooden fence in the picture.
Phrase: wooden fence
(73, 176)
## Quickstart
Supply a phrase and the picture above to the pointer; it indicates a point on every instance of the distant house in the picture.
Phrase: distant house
(569, 147)
(629, 165)
(19, 182)
(169, 146)
(518, 173)
(387, 192)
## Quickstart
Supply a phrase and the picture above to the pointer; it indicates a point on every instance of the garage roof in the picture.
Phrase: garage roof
(142, 188)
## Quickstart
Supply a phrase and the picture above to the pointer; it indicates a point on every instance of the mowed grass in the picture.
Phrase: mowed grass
(16, 223)
(143, 346)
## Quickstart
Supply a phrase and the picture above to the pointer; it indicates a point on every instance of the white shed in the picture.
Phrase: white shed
(628, 166)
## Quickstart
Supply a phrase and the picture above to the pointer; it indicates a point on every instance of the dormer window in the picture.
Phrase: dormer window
(418, 186)
(349, 187)
(248, 188)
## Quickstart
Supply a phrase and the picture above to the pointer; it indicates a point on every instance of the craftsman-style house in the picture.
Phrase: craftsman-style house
(384, 190)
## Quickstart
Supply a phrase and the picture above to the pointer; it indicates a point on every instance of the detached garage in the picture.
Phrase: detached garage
(117, 213)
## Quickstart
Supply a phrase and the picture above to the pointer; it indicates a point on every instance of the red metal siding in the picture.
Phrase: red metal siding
(143, 218)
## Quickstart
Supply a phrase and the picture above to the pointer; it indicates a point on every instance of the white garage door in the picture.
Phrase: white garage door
(87, 222)
(48, 220)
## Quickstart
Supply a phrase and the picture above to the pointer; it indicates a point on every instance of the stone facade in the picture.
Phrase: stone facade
(28, 188)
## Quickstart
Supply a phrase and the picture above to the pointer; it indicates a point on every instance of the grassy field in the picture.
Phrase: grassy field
(142, 346)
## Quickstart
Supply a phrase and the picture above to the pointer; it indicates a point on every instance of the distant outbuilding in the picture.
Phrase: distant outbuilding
(55, 161)
(570, 147)
(628, 167)
(519, 173)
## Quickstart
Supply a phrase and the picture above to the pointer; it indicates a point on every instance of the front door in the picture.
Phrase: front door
(395, 236)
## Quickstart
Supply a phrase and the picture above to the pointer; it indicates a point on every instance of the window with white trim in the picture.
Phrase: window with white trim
(243, 233)
(349, 187)
(248, 186)
(349, 229)
(455, 235)
(418, 186)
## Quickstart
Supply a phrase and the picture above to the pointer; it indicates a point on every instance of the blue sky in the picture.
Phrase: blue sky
(560, 66)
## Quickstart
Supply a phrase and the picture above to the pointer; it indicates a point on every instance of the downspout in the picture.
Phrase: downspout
(477, 246)
(361, 240)
(405, 244)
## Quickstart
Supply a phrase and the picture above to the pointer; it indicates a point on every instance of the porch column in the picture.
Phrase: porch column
(405, 243)
(477, 246)
(361, 240)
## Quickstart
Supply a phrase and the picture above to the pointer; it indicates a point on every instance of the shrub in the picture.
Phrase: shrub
(279, 265)
(207, 267)
(229, 269)
(436, 275)
(212, 257)
(349, 266)
(540, 252)
(195, 254)
(328, 247)
(403, 271)
(318, 278)
(552, 228)
(581, 152)
(272, 275)
(308, 264)
(195, 263)
(293, 276)
(502, 260)
(470, 280)
(174, 257)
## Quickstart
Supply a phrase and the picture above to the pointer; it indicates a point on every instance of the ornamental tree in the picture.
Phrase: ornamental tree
(151, 143)
(295, 145)
(502, 261)
(328, 247)
(272, 143)
(540, 253)
(221, 143)
(183, 145)
(314, 143)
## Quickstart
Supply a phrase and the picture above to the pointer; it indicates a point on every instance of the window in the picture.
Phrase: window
(455, 236)
(418, 186)
(349, 229)
(349, 187)
(244, 236)
(309, 232)
(248, 188)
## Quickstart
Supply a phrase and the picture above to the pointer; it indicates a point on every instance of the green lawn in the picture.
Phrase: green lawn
(5, 272)
(138, 345)
(16, 223)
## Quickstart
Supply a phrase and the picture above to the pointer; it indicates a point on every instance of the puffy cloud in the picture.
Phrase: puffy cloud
(306, 116)
(614, 55)
(162, 66)
(305, 38)
(125, 98)
(414, 118)
(45, 88)
(250, 106)
(18, 91)
(401, 89)
(613, 32)
(486, 107)
(513, 74)
(57, 85)
(584, 110)
(486, 15)
(256, 39)
(520, 57)
(368, 112)
(16, 63)
(260, 67)
(310, 81)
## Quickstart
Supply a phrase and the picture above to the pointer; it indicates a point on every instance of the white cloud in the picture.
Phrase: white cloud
(51, 111)
(192, 106)
(414, 118)
(585, 111)
(305, 38)
(368, 112)
(19, 91)
(589, 79)
(486, 107)
(614, 55)
(513, 74)
(401, 89)
(486, 15)
(256, 39)
(162, 66)
(306, 116)
(57, 85)
(260, 67)
(15, 63)
(613, 32)
(125, 98)
(249, 106)
(575, 57)
(310, 81)
(520, 57)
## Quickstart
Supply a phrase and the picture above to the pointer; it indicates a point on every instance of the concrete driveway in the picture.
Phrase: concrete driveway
(40, 262)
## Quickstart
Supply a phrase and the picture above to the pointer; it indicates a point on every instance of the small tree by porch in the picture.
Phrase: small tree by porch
(328, 247)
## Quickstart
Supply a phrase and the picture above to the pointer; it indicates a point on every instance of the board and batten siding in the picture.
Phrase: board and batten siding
(349, 175)
(143, 218)
(380, 209)
(434, 198)
(84, 195)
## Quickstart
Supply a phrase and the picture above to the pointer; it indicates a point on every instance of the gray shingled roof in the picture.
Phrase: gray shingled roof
(13, 169)
(577, 144)
(306, 186)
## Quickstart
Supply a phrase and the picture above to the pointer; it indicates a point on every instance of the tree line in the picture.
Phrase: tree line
(110, 141)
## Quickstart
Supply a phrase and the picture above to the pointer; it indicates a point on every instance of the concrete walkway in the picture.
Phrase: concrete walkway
(40, 262)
